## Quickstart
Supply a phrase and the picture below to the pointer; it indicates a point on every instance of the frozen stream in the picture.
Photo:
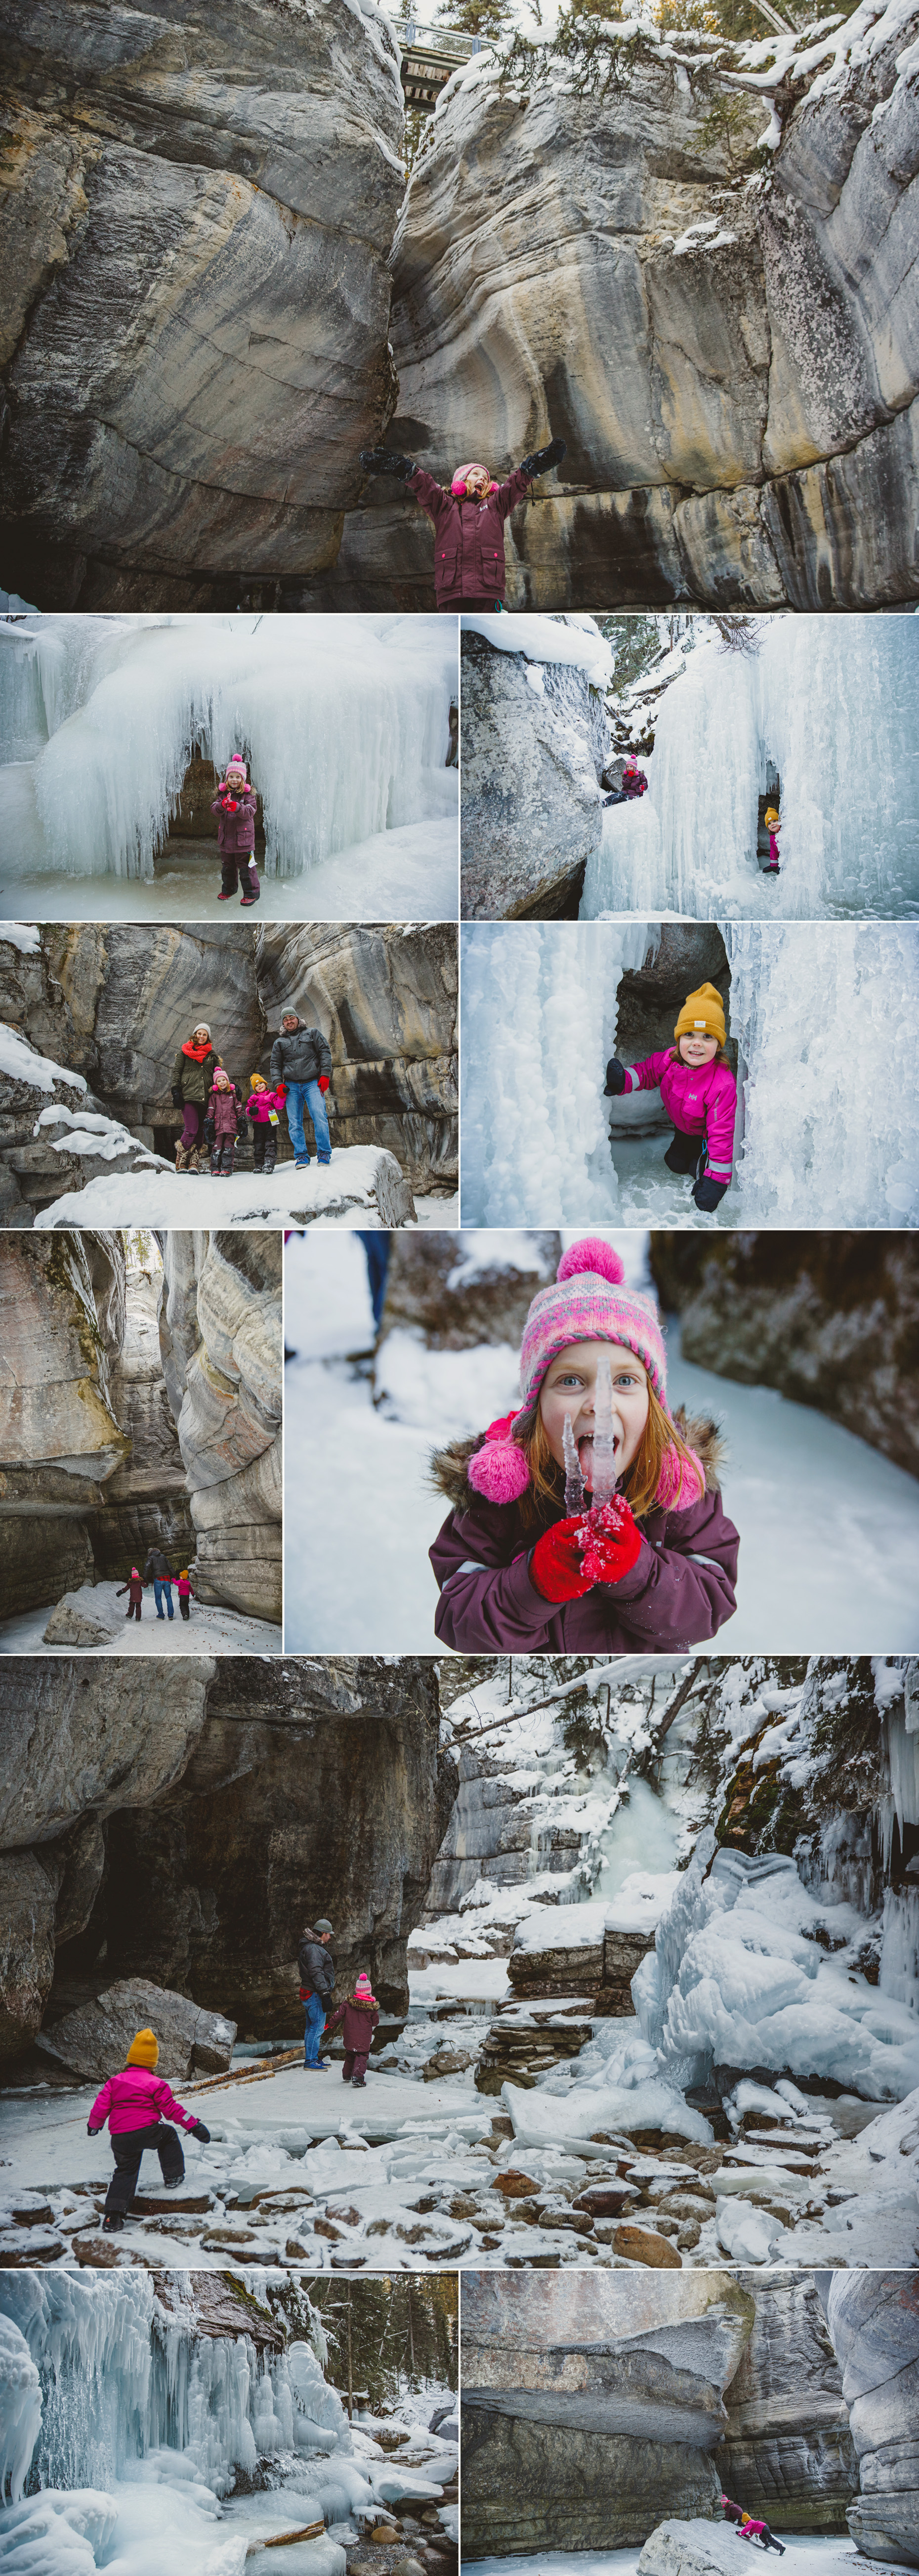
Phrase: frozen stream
(808, 2554)
(410, 873)
(829, 1527)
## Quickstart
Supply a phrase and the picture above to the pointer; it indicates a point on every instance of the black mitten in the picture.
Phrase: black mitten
(615, 1078)
(380, 460)
(544, 458)
(707, 1194)
(177, 1101)
(199, 2131)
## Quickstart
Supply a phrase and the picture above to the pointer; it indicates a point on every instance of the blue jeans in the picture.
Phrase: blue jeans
(315, 2025)
(297, 1093)
(159, 1588)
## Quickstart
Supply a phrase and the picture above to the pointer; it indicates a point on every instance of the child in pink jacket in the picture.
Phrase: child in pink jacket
(264, 1108)
(138, 2106)
(698, 1091)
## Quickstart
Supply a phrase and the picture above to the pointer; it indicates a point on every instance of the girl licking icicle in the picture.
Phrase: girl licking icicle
(698, 1091)
(590, 1518)
(469, 567)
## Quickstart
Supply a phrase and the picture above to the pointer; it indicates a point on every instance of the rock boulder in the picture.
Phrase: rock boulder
(94, 2040)
(532, 758)
(873, 2318)
(220, 1338)
(69, 1626)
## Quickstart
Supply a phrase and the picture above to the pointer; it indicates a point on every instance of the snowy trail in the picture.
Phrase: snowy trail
(209, 1630)
(410, 873)
(808, 2554)
(829, 1528)
(342, 1192)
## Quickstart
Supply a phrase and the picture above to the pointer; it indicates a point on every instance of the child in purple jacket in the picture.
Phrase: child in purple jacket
(469, 520)
(360, 2013)
(221, 1125)
(138, 2106)
(653, 1568)
(698, 1091)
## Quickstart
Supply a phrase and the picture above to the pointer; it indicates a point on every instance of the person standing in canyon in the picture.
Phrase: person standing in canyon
(159, 1571)
(698, 1091)
(235, 808)
(301, 1059)
(469, 565)
(360, 2013)
(135, 1591)
(221, 1125)
(317, 1986)
(264, 1108)
(192, 1080)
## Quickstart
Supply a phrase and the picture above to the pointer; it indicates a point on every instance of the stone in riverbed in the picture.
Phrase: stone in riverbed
(94, 2040)
(69, 1626)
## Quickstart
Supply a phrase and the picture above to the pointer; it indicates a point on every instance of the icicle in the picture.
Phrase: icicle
(574, 1481)
(604, 1478)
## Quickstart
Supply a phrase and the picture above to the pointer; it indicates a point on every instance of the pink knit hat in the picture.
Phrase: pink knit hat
(588, 1303)
(459, 483)
(236, 760)
(363, 1985)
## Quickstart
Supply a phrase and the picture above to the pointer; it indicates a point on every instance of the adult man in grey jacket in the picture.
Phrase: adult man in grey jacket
(301, 1059)
(159, 1567)
(317, 1982)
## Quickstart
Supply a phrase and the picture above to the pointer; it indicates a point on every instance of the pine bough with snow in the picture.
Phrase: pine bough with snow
(142, 2430)
(827, 1120)
(346, 722)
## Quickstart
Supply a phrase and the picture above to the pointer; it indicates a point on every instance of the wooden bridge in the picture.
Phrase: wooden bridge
(429, 55)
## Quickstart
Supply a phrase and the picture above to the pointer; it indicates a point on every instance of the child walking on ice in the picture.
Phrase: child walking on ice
(523, 1561)
(235, 807)
(360, 2013)
(698, 1091)
(469, 567)
(139, 2108)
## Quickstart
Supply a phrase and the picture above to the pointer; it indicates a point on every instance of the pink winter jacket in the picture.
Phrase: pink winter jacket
(134, 2099)
(700, 1099)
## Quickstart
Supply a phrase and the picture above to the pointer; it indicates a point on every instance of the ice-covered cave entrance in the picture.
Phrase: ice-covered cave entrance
(190, 833)
(769, 795)
(646, 1001)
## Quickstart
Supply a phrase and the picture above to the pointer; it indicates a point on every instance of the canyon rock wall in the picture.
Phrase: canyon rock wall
(220, 1344)
(831, 1320)
(739, 400)
(113, 1003)
(873, 2318)
(317, 1784)
(386, 999)
(197, 222)
(532, 801)
(62, 1301)
(146, 1500)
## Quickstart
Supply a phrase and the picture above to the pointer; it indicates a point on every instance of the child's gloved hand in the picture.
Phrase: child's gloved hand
(707, 1194)
(544, 458)
(198, 2130)
(323, 1082)
(90, 2131)
(615, 1078)
(380, 460)
(575, 1554)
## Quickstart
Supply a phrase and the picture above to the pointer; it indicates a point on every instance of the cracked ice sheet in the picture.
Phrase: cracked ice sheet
(210, 1630)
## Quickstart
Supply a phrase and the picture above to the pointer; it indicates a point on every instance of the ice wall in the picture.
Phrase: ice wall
(825, 1017)
(831, 702)
(347, 730)
(539, 1021)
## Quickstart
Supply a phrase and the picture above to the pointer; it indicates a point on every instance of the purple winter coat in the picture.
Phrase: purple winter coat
(700, 1099)
(223, 1110)
(236, 830)
(468, 536)
(678, 1592)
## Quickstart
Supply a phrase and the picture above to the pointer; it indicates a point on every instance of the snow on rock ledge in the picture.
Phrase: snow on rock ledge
(361, 1182)
(693, 2548)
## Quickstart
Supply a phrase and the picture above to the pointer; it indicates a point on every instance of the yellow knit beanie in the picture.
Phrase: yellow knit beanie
(702, 1015)
(771, 814)
(144, 2049)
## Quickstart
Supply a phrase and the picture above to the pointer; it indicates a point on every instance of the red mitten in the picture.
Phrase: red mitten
(557, 1565)
(614, 1543)
(323, 1082)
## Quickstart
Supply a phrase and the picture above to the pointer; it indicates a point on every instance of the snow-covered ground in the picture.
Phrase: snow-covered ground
(828, 703)
(209, 1629)
(348, 733)
(163, 2441)
(827, 1129)
(342, 1192)
(829, 1528)
(808, 2554)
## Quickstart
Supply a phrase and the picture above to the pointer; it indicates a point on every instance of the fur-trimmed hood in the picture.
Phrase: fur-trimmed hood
(449, 1467)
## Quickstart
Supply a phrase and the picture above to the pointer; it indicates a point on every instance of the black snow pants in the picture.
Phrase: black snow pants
(128, 2150)
(684, 1152)
(264, 1146)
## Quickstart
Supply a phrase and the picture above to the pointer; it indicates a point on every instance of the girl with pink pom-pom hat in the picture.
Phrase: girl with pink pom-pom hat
(652, 1567)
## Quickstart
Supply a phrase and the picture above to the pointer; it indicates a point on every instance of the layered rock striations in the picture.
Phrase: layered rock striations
(724, 335)
(196, 224)
(134, 1808)
(220, 1345)
(63, 1317)
(532, 801)
(873, 2319)
(113, 1003)
(146, 1500)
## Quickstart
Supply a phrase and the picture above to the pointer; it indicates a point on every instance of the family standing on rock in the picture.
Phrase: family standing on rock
(652, 1567)
(698, 1091)
(469, 566)
(214, 1113)
(360, 2012)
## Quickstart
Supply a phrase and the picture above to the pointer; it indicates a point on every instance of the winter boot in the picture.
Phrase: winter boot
(270, 1159)
(215, 1161)
(357, 2084)
(181, 1155)
(112, 2225)
(195, 1163)
(249, 887)
(227, 881)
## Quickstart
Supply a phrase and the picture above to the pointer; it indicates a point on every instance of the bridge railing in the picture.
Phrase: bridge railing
(415, 38)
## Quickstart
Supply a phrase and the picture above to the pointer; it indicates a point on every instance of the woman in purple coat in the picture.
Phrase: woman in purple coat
(469, 567)
(520, 1563)
(235, 807)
